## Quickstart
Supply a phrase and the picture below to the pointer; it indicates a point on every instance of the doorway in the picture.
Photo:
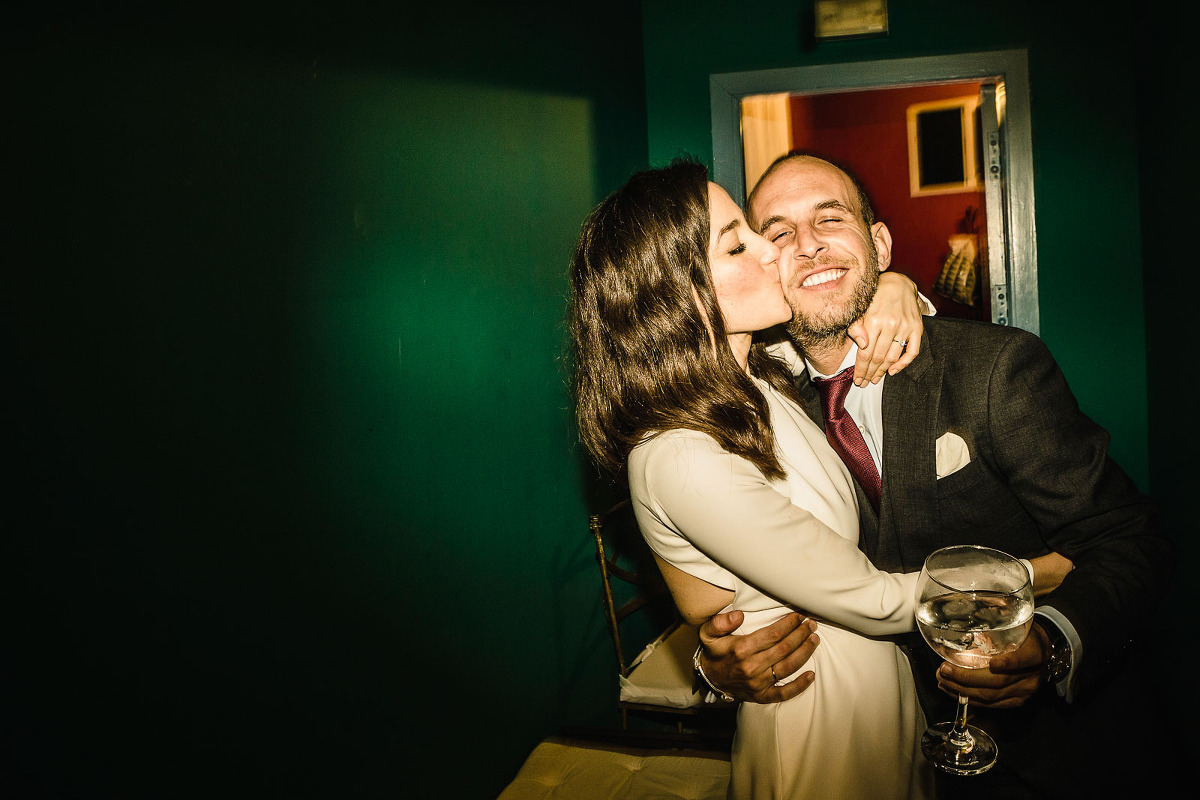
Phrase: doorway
(966, 238)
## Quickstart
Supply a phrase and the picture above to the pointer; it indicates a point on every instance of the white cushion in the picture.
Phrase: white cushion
(662, 673)
(565, 770)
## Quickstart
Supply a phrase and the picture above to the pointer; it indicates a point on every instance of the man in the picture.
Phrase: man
(979, 440)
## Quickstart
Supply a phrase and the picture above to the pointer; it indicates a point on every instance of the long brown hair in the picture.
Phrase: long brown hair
(644, 361)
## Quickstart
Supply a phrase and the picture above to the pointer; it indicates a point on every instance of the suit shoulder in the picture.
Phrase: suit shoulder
(955, 333)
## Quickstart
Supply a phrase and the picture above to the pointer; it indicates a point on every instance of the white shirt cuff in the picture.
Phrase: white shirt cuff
(1065, 687)
(929, 311)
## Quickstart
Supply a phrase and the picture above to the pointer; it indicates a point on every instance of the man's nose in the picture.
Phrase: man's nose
(808, 243)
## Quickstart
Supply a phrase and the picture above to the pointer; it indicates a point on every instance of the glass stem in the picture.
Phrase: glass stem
(959, 737)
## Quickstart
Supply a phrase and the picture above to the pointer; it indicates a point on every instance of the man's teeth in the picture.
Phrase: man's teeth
(823, 277)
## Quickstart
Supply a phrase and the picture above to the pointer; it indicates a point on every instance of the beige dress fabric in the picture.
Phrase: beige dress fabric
(780, 545)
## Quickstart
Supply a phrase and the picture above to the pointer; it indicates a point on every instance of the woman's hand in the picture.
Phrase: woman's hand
(1049, 571)
(889, 334)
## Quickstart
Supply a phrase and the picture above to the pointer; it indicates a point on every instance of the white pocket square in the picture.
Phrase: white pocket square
(952, 454)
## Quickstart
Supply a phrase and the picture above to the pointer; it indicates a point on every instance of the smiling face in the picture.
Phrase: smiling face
(744, 268)
(830, 259)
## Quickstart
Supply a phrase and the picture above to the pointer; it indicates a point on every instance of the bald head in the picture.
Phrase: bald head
(796, 160)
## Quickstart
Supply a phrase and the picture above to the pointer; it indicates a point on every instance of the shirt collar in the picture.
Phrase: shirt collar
(848, 361)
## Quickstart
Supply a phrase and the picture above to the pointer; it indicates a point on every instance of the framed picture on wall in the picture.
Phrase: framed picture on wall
(942, 147)
(843, 19)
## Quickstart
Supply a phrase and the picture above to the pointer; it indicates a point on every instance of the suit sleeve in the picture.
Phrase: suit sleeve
(700, 507)
(1056, 461)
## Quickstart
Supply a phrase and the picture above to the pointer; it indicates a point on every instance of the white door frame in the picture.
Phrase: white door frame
(1010, 66)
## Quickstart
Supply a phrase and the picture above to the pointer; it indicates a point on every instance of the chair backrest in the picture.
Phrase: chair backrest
(654, 646)
(631, 580)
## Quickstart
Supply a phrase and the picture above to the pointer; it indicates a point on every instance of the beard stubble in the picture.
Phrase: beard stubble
(827, 327)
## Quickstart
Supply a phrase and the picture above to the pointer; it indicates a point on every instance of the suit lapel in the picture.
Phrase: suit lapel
(810, 398)
(910, 415)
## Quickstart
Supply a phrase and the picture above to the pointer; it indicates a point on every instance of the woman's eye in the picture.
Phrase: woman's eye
(737, 251)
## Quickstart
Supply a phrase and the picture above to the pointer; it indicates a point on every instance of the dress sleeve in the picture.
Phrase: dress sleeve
(686, 487)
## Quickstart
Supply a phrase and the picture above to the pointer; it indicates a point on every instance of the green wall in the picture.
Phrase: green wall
(1168, 175)
(1085, 157)
(299, 510)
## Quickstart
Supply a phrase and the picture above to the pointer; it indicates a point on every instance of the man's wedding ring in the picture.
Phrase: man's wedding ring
(773, 675)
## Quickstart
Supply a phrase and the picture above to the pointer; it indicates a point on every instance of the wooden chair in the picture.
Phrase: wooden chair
(659, 679)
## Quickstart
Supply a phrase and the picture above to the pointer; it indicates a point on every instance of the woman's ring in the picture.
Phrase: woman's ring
(901, 342)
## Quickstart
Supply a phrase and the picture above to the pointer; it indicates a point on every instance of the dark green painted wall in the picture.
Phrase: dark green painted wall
(300, 512)
(1168, 177)
(297, 511)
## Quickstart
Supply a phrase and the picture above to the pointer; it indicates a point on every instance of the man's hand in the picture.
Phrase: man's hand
(741, 665)
(1008, 682)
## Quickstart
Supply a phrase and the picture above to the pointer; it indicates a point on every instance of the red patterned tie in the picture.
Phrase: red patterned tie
(845, 437)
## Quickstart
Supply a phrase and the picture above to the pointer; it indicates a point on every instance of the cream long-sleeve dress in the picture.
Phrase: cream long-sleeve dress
(792, 544)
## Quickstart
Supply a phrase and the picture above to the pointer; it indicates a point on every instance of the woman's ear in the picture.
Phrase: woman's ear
(882, 238)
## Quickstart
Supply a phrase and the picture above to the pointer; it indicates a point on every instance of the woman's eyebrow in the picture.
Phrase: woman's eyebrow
(728, 227)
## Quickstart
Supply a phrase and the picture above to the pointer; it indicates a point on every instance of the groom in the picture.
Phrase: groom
(978, 441)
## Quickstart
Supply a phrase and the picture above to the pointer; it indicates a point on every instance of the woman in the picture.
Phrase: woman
(739, 494)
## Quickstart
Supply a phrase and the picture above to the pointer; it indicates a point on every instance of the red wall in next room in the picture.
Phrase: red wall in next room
(867, 133)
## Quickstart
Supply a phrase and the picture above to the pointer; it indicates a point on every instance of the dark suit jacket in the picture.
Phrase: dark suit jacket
(1039, 479)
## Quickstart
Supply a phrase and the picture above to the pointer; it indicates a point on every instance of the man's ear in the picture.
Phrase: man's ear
(883, 244)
